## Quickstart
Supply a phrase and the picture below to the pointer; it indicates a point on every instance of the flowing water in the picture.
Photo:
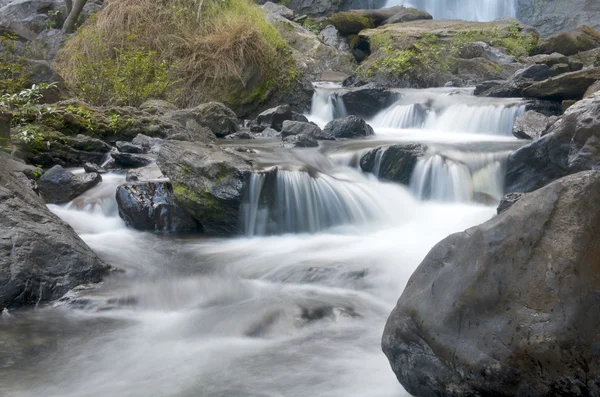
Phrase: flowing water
(468, 10)
(296, 306)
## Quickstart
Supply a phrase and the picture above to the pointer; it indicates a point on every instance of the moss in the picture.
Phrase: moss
(202, 204)
(516, 42)
(350, 22)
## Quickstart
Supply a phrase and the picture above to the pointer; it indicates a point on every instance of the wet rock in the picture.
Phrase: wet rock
(58, 185)
(479, 49)
(272, 118)
(41, 257)
(394, 163)
(68, 151)
(300, 141)
(368, 100)
(240, 135)
(348, 127)
(217, 117)
(580, 39)
(507, 308)
(128, 147)
(299, 117)
(537, 72)
(149, 173)
(150, 206)
(131, 160)
(565, 86)
(516, 84)
(508, 201)
(207, 182)
(93, 168)
(547, 108)
(15, 166)
(560, 68)
(145, 142)
(267, 133)
(571, 144)
(298, 127)
(469, 72)
(530, 125)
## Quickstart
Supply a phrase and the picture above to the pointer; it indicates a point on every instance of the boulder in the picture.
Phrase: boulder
(407, 14)
(582, 38)
(240, 135)
(566, 86)
(560, 68)
(207, 182)
(368, 100)
(479, 49)
(298, 127)
(267, 133)
(272, 118)
(587, 58)
(68, 151)
(131, 160)
(217, 117)
(571, 144)
(148, 173)
(300, 141)
(150, 206)
(508, 201)
(145, 142)
(592, 89)
(510, 307)
(332, 37)
(93, 168)
(550, 17)
(546, 59)
(323, 8)
(41, 72)
(58, 185)
(41, 257)
(157, 106)
(278, 10)
(393, 163)
(354, 21)
(536, 72)
(530, 125)
(129, 147)
(348, 127)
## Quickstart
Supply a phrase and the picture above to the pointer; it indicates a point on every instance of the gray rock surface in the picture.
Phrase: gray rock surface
(41, 257)
(348, 127)
(510, 307)
(58, 185)
(479, 49)
(272, 118)
(554, 16)
(298, 127)
(565, 86)
(131, 160)
(332, 37)
(322, 8)
(531, 125)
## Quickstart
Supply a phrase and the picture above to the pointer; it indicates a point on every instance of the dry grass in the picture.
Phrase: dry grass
(216, 49)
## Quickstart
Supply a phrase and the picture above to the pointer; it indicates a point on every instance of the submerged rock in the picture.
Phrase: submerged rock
(394, 163)
(207, 182)
(92, 167)
(150, 206)
(41, 257)
(58, 185)
(348, 127)
(510, 307)
(272, 118)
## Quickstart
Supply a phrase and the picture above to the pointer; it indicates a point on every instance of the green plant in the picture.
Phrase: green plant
(84, 116)
(23, 104)
(116, 122)
(52, 20)
(14, 74)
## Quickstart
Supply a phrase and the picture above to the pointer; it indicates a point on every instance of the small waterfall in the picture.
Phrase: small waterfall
(281, 201)
(401, 116)
(469, 10)
(327, 104)
(460, 177)
(377, 162)
(485, 119)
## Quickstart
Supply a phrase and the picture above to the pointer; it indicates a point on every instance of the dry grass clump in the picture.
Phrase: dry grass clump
(197, 50)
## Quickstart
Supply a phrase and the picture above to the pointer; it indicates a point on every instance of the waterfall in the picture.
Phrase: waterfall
(327, 104)
(460, 176)
(401, 116)
(281, 201)
(469, 10)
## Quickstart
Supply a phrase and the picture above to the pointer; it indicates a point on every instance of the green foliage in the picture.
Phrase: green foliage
(516, 43)
(14, 75)
(116, 122)
(52, 21)
(23, 104)
(84, 116)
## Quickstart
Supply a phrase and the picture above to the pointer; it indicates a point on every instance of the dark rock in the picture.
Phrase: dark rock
(299, 117)
(272, 118)
(298, 127)
(151, 206)
(580, 39)
(5, 120)
(469, 72)
(394, 163)
(354, 21)
(348, 127)
(145, 142)
(128, 147)
(575, 66)
(207, 182)
(565, 86)
(516, 84)
(536, 72)
(217, 117)
(131, 160)
(479, 49)
(368, 100)
(508, 201)
(41, 257)
(240, 135)
(68, 151)
(300, 141)
(58, 185)
(93, 168)
(507, 308)
(41, 72)
(15, 166)
(547, 108)
(546, 59)
(572, 144)
(560, 68)
(530, 125)
(407, 15)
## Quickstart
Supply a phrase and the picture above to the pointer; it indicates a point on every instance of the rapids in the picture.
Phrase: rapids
(296, 306)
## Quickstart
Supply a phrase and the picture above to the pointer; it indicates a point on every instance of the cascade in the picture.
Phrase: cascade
(326, 103)
(468, 10)
(401, 116)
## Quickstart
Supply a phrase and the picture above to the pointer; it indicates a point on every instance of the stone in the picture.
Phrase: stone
(150, 206)
(240, 135)
(332, 37)
(58, 185)
(157, 106)
(530, 125)
(217, 117)
(393, 163)
(595, 87)
(582, 38)
(207, 181)
(267, 133)
(272, 118)
(299, 117)
(550, 17)
(348, 127)
(565, 86)
(41, 257)
(145, 142)
(406, 15)
(278, 10)
(536, 72)
(148, 173)
(300, 141)
(560, 68)
(128, 147)
(508, 201)
(324, 8)
(93, 168)
(479, 49)
(298, 127)
(131, 160)
(354, 21)
(368, 100)
(41, 72)
(509, 307)
(546, 59)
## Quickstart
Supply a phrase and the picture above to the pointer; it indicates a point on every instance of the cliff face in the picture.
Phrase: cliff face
(553, 16)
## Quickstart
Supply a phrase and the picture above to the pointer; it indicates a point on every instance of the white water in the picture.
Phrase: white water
(469, 10)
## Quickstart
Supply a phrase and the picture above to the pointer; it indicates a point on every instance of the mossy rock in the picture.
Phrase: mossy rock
(351, 22)
(578, 40)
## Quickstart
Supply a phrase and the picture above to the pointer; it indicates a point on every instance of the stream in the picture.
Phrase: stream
(294, 307)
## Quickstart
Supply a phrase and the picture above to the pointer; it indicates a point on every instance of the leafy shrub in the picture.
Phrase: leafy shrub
(186, 51)
(14, 75)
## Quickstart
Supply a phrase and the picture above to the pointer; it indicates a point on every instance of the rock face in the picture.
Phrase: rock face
(58, 185)
(510, 307)
(565, 86)
(354, 21)
(550, 17)
(580, 39)
(151, 206)
(572, 144)
(394, 163)
(41, 257)
(207, 182)
(348, 127)
(531, 125)
(68, 151)
(332, 37)
(508, 201)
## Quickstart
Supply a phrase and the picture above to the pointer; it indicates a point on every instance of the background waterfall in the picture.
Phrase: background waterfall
(469, 10)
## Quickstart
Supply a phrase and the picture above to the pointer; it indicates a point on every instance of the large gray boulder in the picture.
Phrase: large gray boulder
(368, 100)
(41, 257)
(510, 307)
(58, 185)
(571, 144)
(150, 206)
(565, 86)
(347, 127)
(298, 127)
(394, 163)
(207, 182)
(272, 118)
(577, 40)
(531, 125)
